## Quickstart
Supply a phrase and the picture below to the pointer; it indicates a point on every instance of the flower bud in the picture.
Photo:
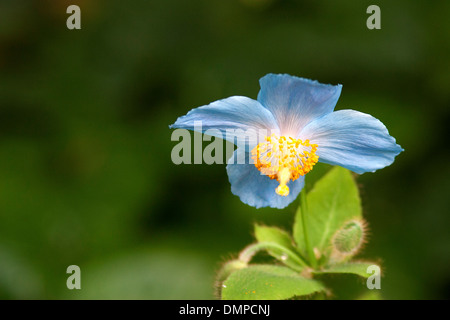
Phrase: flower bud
(348, 240)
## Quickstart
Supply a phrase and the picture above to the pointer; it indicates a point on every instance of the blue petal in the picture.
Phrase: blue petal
(256, 189)
(295, 102)
(234, 113)
(351, 139)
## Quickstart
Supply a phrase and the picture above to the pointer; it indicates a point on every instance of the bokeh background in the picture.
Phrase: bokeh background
(86, 176)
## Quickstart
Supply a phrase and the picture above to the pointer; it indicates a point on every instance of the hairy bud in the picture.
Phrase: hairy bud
(348, 240)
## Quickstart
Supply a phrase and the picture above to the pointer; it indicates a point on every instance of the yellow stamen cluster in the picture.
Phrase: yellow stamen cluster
(284, 158)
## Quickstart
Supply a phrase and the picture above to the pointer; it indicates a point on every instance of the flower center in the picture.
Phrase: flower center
(284, 158)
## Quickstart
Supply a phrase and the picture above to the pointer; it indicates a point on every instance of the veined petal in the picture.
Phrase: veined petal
(295, 102)
(239, 114)
(351, 139)
(256, 189)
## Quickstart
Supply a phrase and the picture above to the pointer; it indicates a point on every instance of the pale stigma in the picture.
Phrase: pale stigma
(284, 159)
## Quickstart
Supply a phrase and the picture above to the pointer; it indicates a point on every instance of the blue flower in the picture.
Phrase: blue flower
(302, 129)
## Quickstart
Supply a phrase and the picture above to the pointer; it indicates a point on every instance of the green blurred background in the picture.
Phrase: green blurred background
(86, 176)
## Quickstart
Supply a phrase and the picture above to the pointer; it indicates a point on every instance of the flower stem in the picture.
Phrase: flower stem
(304, 214)
(247, 254)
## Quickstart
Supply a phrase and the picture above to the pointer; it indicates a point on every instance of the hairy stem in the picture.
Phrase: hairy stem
(247, 254)
(304, 214)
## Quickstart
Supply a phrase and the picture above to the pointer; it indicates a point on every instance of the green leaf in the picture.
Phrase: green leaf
(332, 202)
(267, 282)
(283, 239)
(358, 268)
